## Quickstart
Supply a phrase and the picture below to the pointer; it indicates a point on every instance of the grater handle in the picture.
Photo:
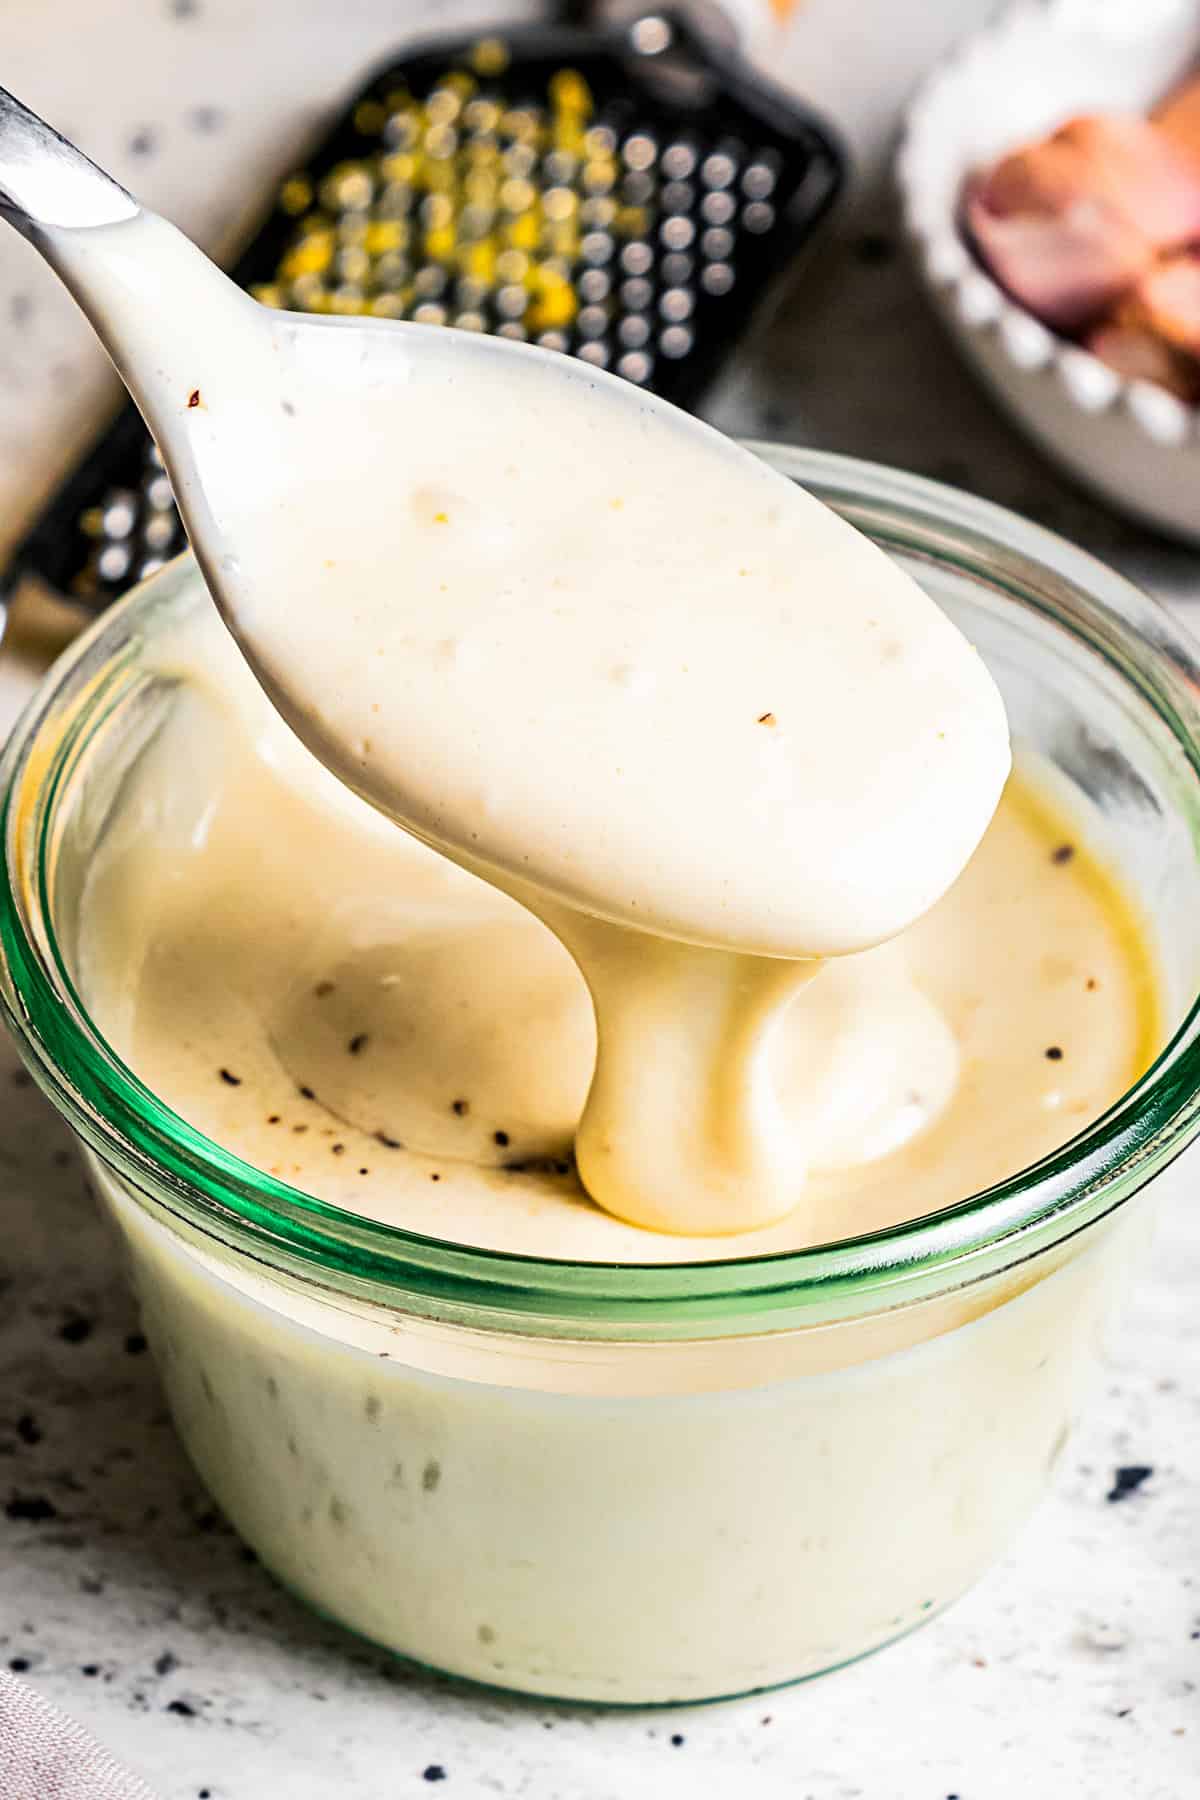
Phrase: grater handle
(45, 181)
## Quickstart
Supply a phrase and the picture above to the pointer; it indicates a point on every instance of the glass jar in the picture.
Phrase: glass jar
(618, 1482)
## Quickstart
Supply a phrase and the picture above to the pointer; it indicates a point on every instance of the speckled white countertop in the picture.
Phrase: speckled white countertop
(1072, 1671)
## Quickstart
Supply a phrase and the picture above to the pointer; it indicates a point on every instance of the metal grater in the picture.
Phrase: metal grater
(621, 197)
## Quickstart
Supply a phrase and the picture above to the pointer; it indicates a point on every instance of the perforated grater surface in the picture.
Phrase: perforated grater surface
(624, 198)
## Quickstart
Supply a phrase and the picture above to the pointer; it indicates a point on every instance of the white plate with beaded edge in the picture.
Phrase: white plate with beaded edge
(1130, 441)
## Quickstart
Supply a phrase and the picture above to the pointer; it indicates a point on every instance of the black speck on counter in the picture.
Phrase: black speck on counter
(34, 1509)
(678, 1739)
(1128, 1480)
(874, 249)
(181, 1709)
(91, 1670)
(434, 1772)
(18, 1664)
(75, 1331)
(1054, 1053)
(164, 1664)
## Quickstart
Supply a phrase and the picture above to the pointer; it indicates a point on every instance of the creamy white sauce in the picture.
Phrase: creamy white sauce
(597, 654)
(246, 915)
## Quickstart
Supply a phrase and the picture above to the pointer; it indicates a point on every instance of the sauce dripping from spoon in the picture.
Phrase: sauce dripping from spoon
(582, 644)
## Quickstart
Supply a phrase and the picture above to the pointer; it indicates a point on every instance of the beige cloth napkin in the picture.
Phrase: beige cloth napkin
(46, 1756)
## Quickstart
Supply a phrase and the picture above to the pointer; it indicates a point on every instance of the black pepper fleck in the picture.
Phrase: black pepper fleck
(501, 1138)
(678, 1739)
(358, 1043)
(306, 1093)
(34, 1509)
(230, 1079)
(434, 1772)
(165, 1663)
(1063, 854)
(1128, 1480)
(18, 1664)
(460, 1108)
(338, 1149)
(389, 1143)
(1054, 1053)
(90, 1670)
(874, 248)
(181, 1709)
(135, 1344)
(435, 1177)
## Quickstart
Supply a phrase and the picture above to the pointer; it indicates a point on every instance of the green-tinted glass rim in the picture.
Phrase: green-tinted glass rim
(188, 1176)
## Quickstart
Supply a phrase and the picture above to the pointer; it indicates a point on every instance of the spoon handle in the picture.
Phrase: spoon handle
(44, 180)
